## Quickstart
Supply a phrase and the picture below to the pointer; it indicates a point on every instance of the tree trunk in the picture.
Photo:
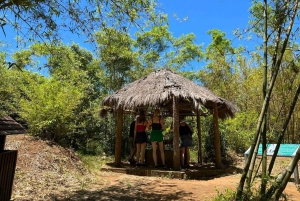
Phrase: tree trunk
(287, 176)
(199, 137)
(264, 130)
(283, 178)
(176, 149)
(265, 105)
(252, 163)
(284, 127)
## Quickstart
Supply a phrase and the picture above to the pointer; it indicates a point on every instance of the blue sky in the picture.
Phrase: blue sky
(225, 15)
(202, 16)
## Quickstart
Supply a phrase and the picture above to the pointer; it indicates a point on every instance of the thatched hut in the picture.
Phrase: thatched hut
(8, 158)
(177, 95)
(8, 126)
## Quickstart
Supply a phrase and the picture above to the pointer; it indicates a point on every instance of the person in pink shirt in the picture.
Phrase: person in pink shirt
(140, 138)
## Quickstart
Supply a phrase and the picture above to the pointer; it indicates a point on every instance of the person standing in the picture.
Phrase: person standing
(140, 138)
(185, 132)
(157, 124)
(131, 143)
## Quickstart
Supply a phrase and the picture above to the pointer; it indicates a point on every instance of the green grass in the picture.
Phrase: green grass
(94, 162)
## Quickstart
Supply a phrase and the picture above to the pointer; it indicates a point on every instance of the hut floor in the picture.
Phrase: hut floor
(198, 172)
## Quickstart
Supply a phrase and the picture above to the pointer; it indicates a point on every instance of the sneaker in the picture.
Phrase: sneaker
(131, 161)
(164, 166)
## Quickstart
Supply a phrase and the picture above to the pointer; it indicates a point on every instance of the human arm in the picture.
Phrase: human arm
(135, 130)
(162, 122)
(149, 123)
(135, 127)
(191, 130)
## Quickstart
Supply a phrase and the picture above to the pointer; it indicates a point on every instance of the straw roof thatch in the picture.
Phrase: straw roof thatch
(158, 89)
(8, 126)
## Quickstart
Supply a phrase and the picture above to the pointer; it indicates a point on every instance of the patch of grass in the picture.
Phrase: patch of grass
(228, 195)
(185, 177)
(193, 155)
(93, 162)
(127, 182)
(169, 175)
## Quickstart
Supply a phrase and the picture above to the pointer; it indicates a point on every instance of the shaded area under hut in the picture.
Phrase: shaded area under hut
(175, 95)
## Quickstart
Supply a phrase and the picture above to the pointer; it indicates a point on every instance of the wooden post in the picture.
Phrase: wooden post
(176, 149)
(217, 137)
(2, 141)
(118, 144)
(199, 137)
(8, 161)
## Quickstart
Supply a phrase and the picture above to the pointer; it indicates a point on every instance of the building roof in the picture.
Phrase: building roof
(158, 90)
(8, 126)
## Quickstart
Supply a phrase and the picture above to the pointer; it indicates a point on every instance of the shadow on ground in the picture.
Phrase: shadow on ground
(118, 192)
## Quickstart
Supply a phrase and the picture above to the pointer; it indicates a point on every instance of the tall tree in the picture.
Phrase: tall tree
(221, 73)
(281, 27)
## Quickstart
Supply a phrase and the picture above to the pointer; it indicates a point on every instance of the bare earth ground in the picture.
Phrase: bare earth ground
(46, 171)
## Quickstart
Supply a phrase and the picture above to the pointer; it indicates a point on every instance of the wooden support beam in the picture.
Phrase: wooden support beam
(199, 137)
(176, 149)
(217, 137)
(118, 144)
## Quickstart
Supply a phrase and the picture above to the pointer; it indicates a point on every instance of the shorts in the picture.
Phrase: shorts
(156, 136)
(141, 137)
(185, 141)
(131, 143)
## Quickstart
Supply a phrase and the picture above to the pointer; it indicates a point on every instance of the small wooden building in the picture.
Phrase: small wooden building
(8, 158)
(175, 94)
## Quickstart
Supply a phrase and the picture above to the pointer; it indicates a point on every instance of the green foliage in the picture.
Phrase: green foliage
(240, 130)
(117, 57)
(49, 107)
(221, 73)
(209, 145)
(93, 162)
(46, 20)
(228, 195)
(62, 107)
(9, 93)
(158, 47)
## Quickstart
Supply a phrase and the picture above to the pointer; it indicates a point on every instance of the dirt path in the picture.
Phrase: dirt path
(47, 172)
(115, 186)
(151, 188)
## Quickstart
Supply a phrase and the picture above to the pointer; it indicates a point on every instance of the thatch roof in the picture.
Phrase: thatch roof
(158, 89)
(8, 126)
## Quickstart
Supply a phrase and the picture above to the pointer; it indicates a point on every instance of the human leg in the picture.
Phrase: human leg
(138, 150)
(182, 154)
(143, 148)
(154, 153)
(188, 156)
(162, 152)
(132, 149)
